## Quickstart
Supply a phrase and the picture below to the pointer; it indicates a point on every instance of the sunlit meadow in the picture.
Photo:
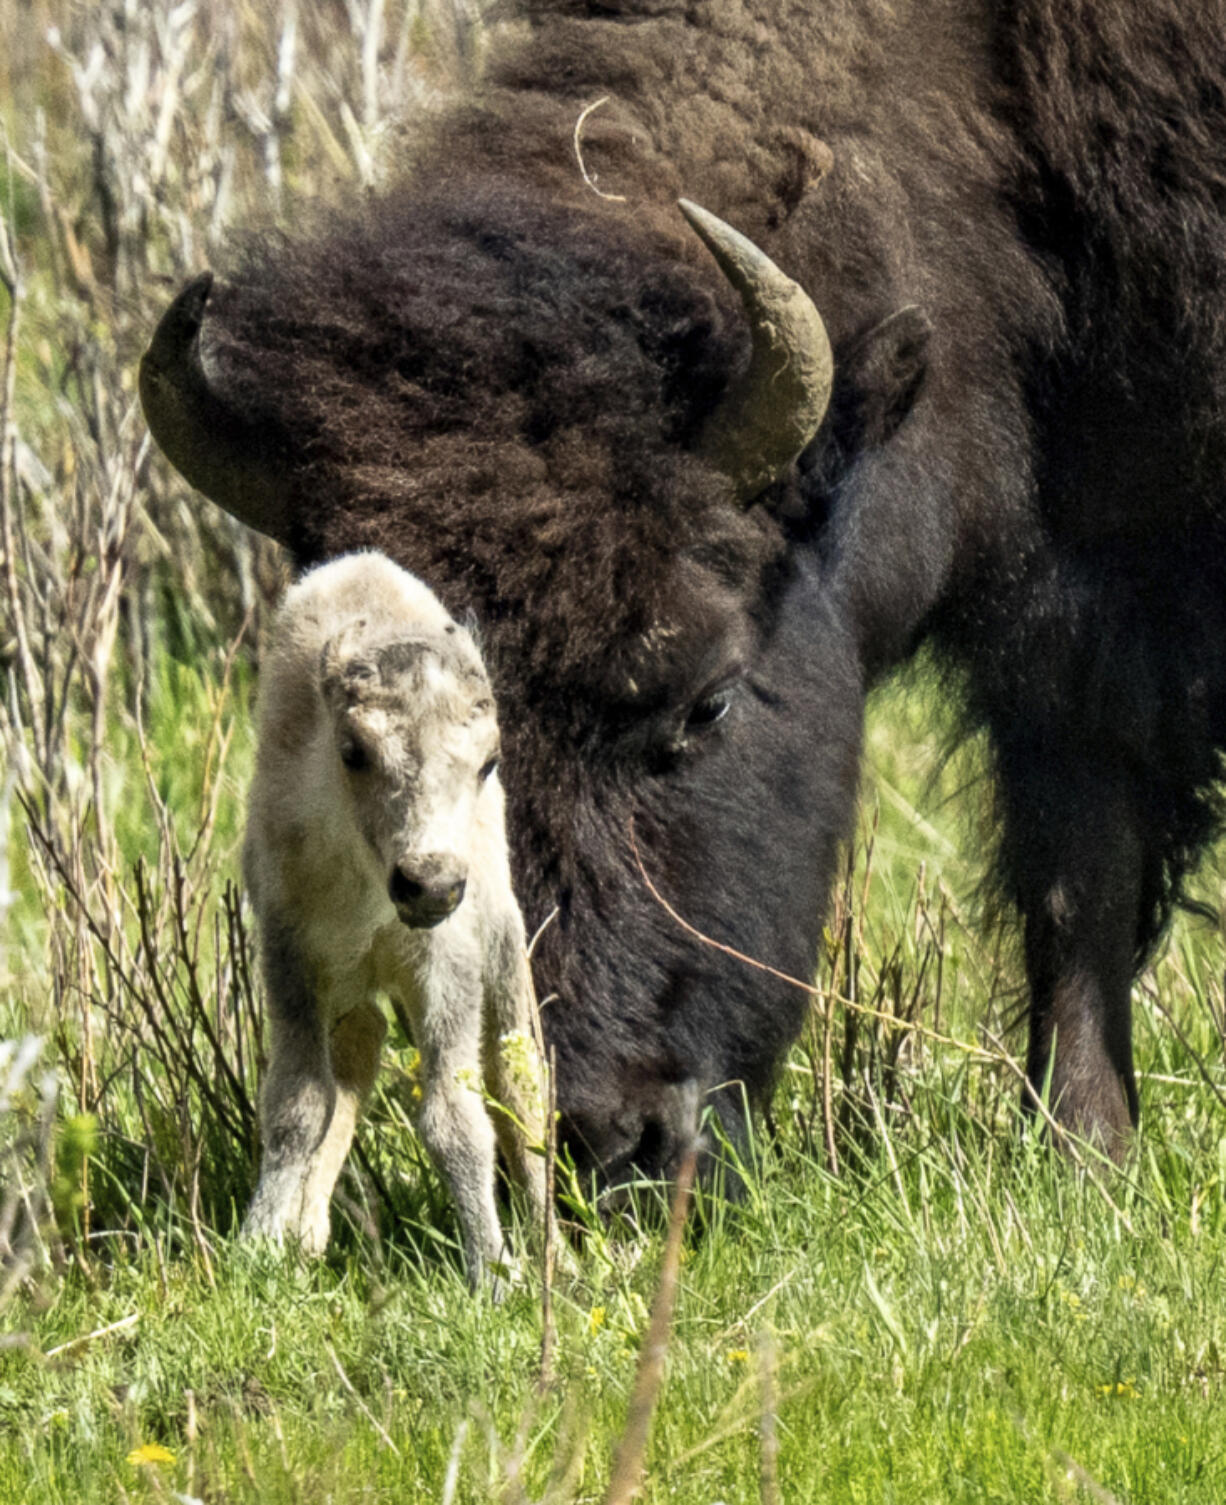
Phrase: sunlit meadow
(913, 1300)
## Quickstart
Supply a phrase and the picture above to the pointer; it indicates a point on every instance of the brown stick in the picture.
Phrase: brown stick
(548, 1255)
(769, 1438)
(628, 1459)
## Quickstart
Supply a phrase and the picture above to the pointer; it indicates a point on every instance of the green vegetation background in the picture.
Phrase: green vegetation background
(913, 1301)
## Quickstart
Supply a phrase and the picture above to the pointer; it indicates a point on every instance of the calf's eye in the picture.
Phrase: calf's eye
(486, 770)
(353, 756)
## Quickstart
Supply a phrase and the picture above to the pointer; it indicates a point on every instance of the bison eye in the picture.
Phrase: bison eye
(486, 770)
(711, 708)
(353, 756)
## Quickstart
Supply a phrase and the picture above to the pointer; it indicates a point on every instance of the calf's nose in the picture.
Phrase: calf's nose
(425, 890)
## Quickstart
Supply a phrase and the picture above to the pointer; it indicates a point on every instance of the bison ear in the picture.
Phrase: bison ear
(879, 377)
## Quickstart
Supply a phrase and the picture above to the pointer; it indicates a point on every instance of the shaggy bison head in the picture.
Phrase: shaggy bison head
(585, 430)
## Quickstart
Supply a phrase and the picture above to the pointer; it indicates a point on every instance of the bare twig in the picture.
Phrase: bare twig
(548, 1254)
(614, 198)
(767, 1364)
(121, 1326)
(632, 1447)
(32, 684)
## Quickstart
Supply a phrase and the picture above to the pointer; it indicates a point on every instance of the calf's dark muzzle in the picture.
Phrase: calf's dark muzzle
(425, 891)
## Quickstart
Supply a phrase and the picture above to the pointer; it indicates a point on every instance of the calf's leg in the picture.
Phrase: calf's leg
(296, 1109)
(353, 1046)
(297, 1096)
(313, 1087)
(444, 1004)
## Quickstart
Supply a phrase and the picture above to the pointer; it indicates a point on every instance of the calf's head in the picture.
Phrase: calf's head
(415, 740)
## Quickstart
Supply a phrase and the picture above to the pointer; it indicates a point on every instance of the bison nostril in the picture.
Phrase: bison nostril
(424, 894)
(402, 889)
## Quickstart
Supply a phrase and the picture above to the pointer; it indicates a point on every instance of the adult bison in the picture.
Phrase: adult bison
(560, 409)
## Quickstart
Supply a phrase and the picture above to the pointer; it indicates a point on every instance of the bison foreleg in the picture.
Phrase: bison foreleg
(354, 1047)
(297, 1105)
(1076, 861)
(453, 1122)
(310, 1104)
(316, 1079)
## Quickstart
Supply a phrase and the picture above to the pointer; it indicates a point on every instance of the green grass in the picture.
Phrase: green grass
(913, 1299)
(953, 1327)
(956, 1315)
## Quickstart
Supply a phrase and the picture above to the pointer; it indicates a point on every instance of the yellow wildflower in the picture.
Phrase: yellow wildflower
(150, 1452)
(595, 1319)
(1125, 1388)
(738, 1356)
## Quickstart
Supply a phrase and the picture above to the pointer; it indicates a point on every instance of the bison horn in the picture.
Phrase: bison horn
(227, 457)
(777, 406)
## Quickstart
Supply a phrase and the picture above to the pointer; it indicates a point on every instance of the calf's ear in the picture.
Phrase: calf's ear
(343, 674)
(877, 379)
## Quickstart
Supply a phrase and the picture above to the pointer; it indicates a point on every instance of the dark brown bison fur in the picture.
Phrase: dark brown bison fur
(1012, 218)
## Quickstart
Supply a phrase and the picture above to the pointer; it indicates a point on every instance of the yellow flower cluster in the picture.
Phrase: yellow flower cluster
(148, 1453)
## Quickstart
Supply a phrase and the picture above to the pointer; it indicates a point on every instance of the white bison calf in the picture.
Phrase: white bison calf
(376, 859)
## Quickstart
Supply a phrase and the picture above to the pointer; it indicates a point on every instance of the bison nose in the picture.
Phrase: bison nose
(426, 890)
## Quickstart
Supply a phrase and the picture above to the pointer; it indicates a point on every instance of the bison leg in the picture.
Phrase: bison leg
(354, 1048)
(297, 1097)
(312, 1095)
(452, 1121)
(460, 1138)
(1076, 861)
(296, 1109)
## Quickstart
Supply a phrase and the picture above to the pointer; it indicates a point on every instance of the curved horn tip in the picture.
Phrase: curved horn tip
(229, 456)
(776, 406)
(740, 260)
(712, 230)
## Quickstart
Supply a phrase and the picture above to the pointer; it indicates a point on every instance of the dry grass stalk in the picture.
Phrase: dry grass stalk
(384, 1436)
(632, 1447)
(1202, 1066)
(549, 1336)
(768, 1362)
